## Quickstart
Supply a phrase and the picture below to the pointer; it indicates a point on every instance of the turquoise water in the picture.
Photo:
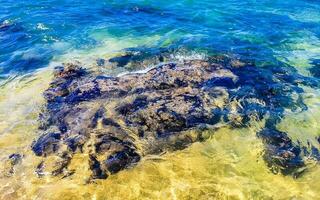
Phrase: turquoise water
(37, 35)
(34, 33)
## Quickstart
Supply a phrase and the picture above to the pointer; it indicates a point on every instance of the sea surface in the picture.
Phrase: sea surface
(36, 35)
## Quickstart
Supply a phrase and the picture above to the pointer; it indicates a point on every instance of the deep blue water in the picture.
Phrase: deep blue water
(265, 30)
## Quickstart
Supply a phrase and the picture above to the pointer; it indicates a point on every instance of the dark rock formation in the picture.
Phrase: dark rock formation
(118, 120)
(280, 151)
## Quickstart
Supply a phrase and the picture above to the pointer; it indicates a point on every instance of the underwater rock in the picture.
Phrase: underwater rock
(46, 144)
(101, 62)
(121, 60)
(11, 163)
(315, 69)
(141, 58)
(118, 120)
(281, 152)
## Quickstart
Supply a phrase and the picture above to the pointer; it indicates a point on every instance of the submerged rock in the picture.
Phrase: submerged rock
(140, 58)
(12, 162)
(118, 120)
(100, 62)
(280, 151)
(315, 69)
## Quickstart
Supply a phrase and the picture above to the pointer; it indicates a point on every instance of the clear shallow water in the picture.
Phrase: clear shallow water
(34, 36)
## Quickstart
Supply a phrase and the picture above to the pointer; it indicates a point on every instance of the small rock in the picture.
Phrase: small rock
(13, 160)
(100, 62)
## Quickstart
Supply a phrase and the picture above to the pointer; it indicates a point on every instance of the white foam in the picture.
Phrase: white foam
(41, 26)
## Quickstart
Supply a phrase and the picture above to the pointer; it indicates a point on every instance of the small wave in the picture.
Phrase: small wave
(193, 55)
(5, 24)
(41, 26)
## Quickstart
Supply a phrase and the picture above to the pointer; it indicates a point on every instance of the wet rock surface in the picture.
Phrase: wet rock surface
(118, 120)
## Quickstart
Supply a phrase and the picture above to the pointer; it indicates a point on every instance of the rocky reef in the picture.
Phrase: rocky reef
(118, 120)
